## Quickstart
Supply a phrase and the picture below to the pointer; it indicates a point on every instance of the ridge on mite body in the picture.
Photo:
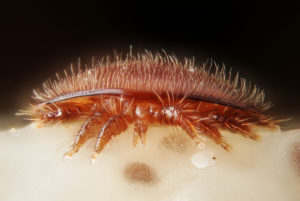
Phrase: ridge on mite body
(151, 89)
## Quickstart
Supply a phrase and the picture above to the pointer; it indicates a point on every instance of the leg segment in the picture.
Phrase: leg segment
(190, 128)
(194, 128)
(140, 129)
(213, 133)
(92, 124)
(112, 127)
(242, 129)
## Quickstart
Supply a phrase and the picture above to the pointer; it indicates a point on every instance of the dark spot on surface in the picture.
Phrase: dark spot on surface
(139, 173)
(214, 158)
(175, 142)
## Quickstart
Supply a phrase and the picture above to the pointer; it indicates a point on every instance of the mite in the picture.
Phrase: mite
(146, 89)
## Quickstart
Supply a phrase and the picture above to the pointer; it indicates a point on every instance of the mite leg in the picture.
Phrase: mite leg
(194, 129)
(242, 129)
(92, 124)
(112, 127)
(190, 128)
(213, 133)
(140, 129)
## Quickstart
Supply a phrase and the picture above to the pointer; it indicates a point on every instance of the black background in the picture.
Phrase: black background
(261, 40)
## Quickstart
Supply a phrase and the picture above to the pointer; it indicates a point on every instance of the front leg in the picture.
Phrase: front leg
(115, 125)
(92, 124)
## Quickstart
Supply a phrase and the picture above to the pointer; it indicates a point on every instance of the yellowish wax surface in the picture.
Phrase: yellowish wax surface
(171, 167)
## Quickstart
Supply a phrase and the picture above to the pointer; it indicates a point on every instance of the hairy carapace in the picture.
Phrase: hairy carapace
(146, 89)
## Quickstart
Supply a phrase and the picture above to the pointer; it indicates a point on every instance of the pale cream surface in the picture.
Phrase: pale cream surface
(33, 168)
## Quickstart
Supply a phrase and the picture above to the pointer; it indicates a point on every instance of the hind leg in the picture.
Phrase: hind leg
(195, 129)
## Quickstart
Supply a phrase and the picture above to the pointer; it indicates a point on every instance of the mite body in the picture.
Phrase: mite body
(150, 89)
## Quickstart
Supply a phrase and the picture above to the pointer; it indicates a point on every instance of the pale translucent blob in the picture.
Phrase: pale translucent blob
(203, 159)
(168, 168)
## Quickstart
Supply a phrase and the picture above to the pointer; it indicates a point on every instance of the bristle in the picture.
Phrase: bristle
(160, 73)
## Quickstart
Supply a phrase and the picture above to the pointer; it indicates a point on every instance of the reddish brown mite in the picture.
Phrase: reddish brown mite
(151, 89)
